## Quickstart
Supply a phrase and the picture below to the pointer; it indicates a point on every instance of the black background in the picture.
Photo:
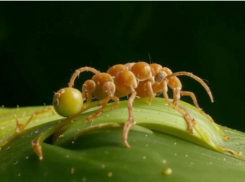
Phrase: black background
(42, 43)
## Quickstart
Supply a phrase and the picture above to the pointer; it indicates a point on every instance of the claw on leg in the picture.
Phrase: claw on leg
(218, 148)
(189, 120)
(18, 125)
(237, 154)
(126, 129)
(37, 148)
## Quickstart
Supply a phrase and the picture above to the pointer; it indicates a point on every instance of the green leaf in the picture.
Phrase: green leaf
(160, 143)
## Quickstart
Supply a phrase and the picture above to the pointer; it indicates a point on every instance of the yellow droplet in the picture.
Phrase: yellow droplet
(72, 170)
(167, 171)
(110, 174)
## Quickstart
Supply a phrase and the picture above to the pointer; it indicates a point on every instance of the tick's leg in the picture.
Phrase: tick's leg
(237, 154)
(21, 127)
(36, 143)
(80, 70)
(110, 89)
(116, 100)
(150, 92)
(176, 95)
(130, 121)
(195, 78)
(103, 103)
(87, 89)
(189, 120)
(87, 96)
(36, 146)
(193, 97)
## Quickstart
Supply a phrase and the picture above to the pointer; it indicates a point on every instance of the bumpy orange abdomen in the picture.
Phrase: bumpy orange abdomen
(142, 71)
(115, 69)
(124, 80)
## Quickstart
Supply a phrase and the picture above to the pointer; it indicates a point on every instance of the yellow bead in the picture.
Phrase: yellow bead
(68, 101)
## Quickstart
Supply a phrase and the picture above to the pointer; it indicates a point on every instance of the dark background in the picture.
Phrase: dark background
(42, 43)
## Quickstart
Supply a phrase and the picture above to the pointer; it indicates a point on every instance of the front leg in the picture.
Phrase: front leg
(189, 120)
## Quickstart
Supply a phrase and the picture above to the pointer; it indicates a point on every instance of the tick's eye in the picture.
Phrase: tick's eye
(160, 76)
(68, 101)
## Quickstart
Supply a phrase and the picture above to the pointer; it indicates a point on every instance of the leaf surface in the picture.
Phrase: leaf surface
(159, 142)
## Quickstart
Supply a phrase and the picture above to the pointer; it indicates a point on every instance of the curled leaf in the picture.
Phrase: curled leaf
(160, 143)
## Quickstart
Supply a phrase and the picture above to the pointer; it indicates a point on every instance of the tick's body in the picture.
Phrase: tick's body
(142, 80)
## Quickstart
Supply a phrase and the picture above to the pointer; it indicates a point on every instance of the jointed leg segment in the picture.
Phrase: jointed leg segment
(189, 120)
(130, 121)
(177, 93)
(21, 127)
(193, 97)
(195, 78)
(110, 89)
(80, 70)
(150, 92)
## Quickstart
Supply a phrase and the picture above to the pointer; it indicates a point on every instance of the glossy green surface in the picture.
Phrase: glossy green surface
(159, 142)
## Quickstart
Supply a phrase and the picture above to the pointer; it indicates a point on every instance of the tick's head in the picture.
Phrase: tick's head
(68, 101)
(160, 76)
